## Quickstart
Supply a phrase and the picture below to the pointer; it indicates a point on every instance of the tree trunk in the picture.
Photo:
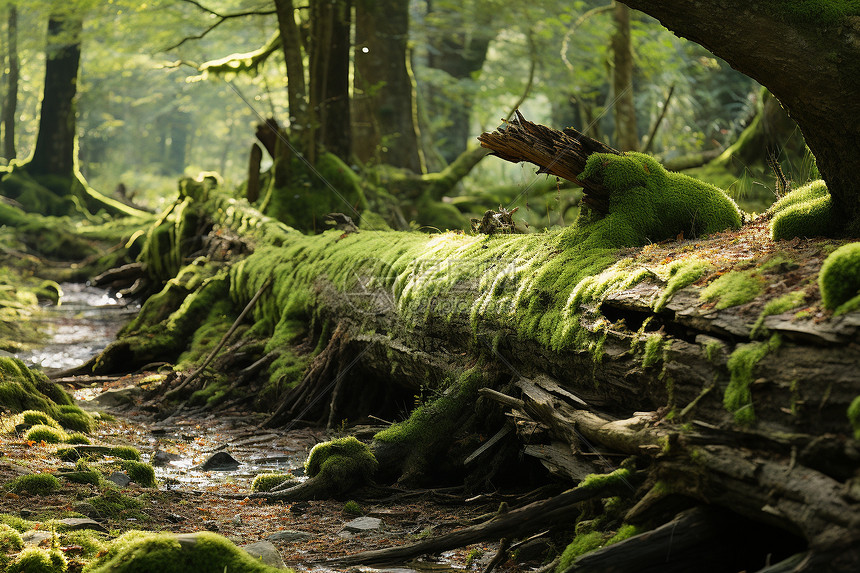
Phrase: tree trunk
(293, 56)
(458, 48)
(818, 88)
(626, 133)
(10, 101)
(384, 124)
(329, 78)
(55, 144)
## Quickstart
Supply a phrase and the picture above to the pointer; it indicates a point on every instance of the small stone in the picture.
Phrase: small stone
(87, 509)
(362, 524)
(299, 507)
(25, 513)
(218, 462)
(117, 397)
(288, 536)
(237, 519)
(162, 458)
(174, 518)
(211, 525)
(119, 478)
(76, 523)
(36, 537)
(267, 553)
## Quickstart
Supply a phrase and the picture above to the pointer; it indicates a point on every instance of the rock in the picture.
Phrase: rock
(288, 536)
(363, 524)
(267, 553)
(36, 537)
(117, 397)
(119, 478)
(162, 458)
(211, 525)
(87, 509)
(219, 462)
(25, 513)
(299, 507)
(174, 518)
(76, 523)
(237, 520)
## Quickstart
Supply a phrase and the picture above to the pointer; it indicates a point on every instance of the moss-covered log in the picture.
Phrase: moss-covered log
(711, 361)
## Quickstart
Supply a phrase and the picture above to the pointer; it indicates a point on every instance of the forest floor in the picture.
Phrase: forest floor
(188, 499)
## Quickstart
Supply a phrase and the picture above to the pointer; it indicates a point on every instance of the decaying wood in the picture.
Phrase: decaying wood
(514, 523)
(559, 153)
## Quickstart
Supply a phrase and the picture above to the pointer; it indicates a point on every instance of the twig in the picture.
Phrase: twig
(221, 19)
(659, 120)
(223, 341)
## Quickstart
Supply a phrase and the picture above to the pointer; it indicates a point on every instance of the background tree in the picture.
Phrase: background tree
(10, 97)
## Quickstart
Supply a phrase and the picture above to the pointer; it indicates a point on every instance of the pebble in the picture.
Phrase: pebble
(362, 524)
(288, 536)
(267, 553)
(76, 523)
(219, 461)
(119, 478)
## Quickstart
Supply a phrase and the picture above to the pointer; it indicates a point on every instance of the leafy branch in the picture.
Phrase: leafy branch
(221, 18)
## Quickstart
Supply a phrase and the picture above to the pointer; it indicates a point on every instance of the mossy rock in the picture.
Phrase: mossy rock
(267, 482)
(839, 279)
(138, 551)
(36, 560)
(36, 417)
(35, 484)
(47, 434)
(140, 472)
(804, 212)
(72, 417)
(341, 464)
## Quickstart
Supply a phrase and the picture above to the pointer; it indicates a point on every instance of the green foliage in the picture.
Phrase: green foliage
(741, 364)
(854, 416)
(35, 560)
(804, 212)
(341, 464)
(266, 482)
(35, 484)
(839, 278)
(733, 288)
(140, 552)
(140, 472)
(48, 434)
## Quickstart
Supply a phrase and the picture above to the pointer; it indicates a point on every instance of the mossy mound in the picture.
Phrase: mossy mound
(114, 504)
(47, 434)
(10, 539)
(34, 484)
(647, 203)
(733, 288)
(342, 464)
(140, 472)
(266, 482)
(138, 551)
(839, 279)
(35, 560)
(804, 212)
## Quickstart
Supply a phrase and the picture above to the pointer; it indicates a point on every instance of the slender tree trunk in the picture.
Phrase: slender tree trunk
(627, 136)
(812, 68)
(384, 119)
(10, 100)
(293, 56)
(55, 143)
(460, 54)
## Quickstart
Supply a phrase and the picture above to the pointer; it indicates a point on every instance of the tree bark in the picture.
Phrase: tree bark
(293, 56)
(812, 69)
(55, 144)
(626, 133)
(10, 101)
(384, 128)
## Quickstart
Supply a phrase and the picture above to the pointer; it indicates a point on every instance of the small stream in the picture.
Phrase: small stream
(82, 325)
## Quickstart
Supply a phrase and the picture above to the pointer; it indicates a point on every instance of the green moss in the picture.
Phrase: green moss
(125, 453)
(712, 349)
(48, 434)
(140, 552)
(598, 481)
(352, 508)
(804, 212)
(733, 288)
(78, 439)
(85, 476)
(35, 484)
(35, 560)
(35, 417)
(10, 539)
(624, 532)
(779, 305)
(682, 274)
(140, 472)
(74, 418)
(580, 545)
(653, 350)
(741, 364)
(839, 278)
(341, 464)
(854, 416)
(24, 389)
(114, 504)
(266, 482)
(15, 522)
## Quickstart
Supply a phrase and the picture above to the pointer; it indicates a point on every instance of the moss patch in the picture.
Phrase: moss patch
(341, 464)
(854, 416)
(48, 434)
(35, 560)
(35, 484)
(741, 364)
(140, 472)
(779, 305)
(136, 551)
(804, 212)
(839, 278)
(733, 288)
(266, 482)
